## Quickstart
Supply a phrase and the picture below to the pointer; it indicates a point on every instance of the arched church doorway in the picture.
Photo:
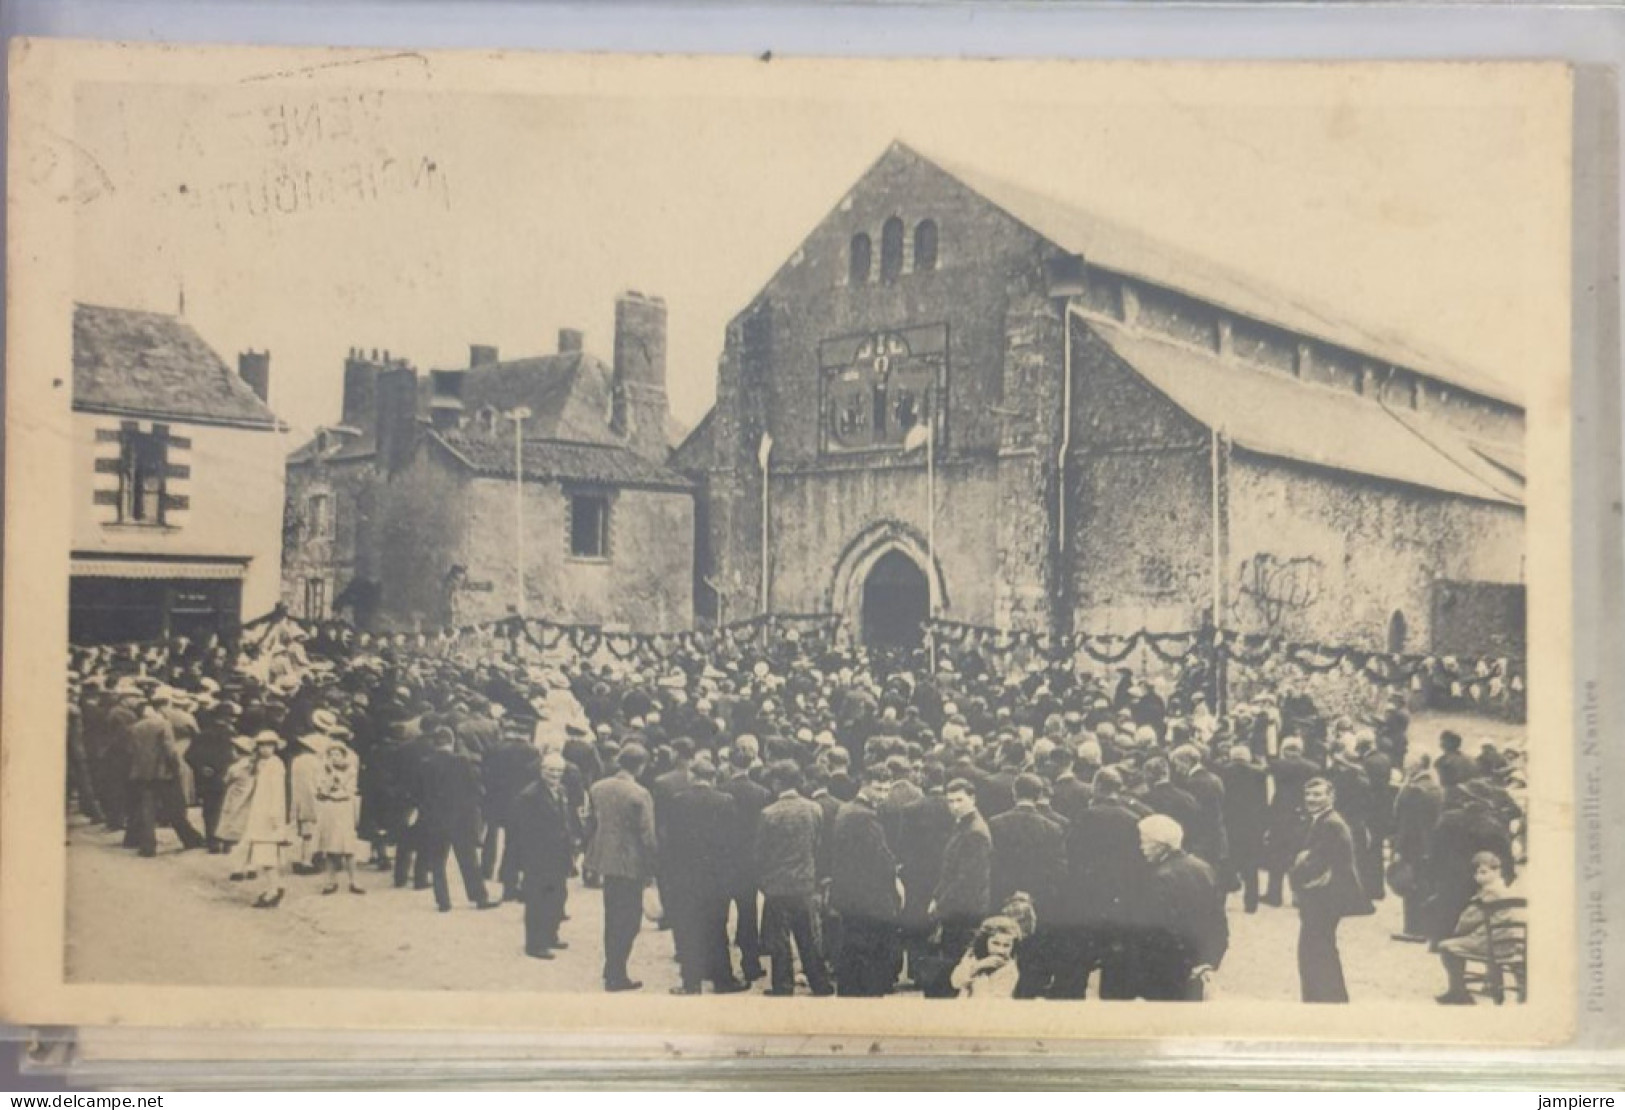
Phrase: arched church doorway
(896, 602)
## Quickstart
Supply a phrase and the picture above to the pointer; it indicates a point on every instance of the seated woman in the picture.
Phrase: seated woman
(988, 969)
(1487, 912)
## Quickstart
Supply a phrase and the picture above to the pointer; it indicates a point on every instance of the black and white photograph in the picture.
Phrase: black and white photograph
(508, 533)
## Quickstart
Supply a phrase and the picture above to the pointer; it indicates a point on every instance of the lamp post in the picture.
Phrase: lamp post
(519, 416)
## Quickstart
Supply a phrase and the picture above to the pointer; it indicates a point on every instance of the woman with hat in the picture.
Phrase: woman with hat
(303, 773)
(335, 837)
(266, 831)
(237, 789)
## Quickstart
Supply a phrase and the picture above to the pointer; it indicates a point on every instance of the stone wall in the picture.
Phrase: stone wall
(347, 549)
(819, 520)
(1322, 556)
(227, 490)
(645, 584)
(985, 288)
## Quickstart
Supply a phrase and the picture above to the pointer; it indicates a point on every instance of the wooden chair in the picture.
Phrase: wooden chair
(1506, 946)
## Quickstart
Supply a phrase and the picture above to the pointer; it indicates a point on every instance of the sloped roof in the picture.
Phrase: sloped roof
(568, 395)
(1271, 414)
(350, 446)
(153, 364)
(697, 450)
(561, 460)
(1110, 246)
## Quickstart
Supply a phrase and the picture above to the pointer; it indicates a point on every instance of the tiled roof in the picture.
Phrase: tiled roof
(342, 447)
(1271, 414)
(154, 364)
(1110, 246)
(561, 460)
(568, 395)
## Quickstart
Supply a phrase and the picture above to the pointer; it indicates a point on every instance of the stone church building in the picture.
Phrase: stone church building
(1121, 437)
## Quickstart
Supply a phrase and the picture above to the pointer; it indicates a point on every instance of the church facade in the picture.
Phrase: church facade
(961, 399)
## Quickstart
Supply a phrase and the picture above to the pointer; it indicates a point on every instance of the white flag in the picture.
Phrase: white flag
(917, 436)
(764, 450)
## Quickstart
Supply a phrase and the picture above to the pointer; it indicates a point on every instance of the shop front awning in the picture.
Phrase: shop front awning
(149, 569)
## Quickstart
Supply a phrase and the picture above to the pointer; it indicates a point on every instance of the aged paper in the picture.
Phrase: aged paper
(933, 278)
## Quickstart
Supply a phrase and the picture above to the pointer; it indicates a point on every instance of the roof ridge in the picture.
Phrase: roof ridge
(1365, 338)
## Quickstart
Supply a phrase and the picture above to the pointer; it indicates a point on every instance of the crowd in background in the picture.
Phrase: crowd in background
(829, 819)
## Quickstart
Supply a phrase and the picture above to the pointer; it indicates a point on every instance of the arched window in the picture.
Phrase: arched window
(925, 245)
(1397, 631)
(891, 250)
(860, 259)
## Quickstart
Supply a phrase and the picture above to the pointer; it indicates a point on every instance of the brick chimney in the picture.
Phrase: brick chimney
(397, 415)
(571, 341)
(479, 354)
(254, 367)
(639, 409)
(360, 390)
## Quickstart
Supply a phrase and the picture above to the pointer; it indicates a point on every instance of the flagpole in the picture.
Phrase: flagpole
(931, 532)
(763, 453)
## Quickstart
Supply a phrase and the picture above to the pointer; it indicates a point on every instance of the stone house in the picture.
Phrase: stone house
(1122, 436)
(177, 481)
(416, 512)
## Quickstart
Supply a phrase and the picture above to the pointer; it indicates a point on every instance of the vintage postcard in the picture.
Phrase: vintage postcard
(763, 547)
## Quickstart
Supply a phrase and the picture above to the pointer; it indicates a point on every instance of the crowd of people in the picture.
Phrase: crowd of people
(828, 819)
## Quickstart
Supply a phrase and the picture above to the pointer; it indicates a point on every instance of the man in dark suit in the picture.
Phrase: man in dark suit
(750, 798)
(150, 743)
(540, 849)
(960, 897)
(209, 757)
(1164, 797)
(788, 851)
(1467, 825)
(1184, 931)
(154, 771)
(699, 859)
(451, 819)
(1416, 816)
(1453, 766)
(507, 763)
(923, 829)
(664, 787)
(1328, 889)
(842, 786)
(996, 792)
(864, 891)
(900, 794)
(1105, 871)
(1379, 811)
(1290, 771)
(1246, 792)
(1029, 855)
(1210, 842)
(408, 758)
(622, 849)
(1072, 794)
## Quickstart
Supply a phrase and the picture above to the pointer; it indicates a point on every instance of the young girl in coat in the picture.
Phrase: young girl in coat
(336, 812)
(988, 969)
(266, 834)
